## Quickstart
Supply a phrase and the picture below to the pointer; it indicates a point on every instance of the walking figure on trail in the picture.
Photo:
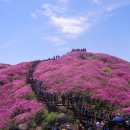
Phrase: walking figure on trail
(54, 98)
(81, 99)
(50, 98)
(63, 98)
(69, 96)
(79, 126)
(77, 99)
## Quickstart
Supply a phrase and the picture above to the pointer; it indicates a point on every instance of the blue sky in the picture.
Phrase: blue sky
(38, 29)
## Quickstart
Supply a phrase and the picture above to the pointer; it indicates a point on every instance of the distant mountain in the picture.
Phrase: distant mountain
(100, 76)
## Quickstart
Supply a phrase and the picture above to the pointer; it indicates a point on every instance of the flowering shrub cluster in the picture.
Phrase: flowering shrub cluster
(4, 66)
(14, 108)
(104, 77)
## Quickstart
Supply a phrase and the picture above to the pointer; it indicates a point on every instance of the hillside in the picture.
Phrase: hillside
(14, 105)
(102, 77)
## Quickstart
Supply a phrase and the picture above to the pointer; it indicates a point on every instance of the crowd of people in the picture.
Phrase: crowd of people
(57, 56)
(104, 120)
(65, 99)
(84, 49)
(67, 126)
(54, 58)
(116, 123)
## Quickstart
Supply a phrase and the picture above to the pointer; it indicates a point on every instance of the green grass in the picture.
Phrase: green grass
(107, 70)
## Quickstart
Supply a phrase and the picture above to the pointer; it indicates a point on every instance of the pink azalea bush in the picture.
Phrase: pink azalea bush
(4, 66)
(104, 77)
(28, 109)
(23, 91)
(13, 108)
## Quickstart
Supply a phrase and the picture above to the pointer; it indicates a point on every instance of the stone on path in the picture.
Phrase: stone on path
(38, 128)
(61, 118)
(23, 126)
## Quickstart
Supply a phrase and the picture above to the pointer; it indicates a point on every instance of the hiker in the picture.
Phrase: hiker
(14, 128)
(47, 97)
(71, 99)
(68, 127)
(44, 96)
(79, 126)
(81, 99)
(98, 126)
(129, 121)
(118, 123)
(69, 95)
(77, 99)
(105, 126)
(82, 110)
(51, 98)
(54, 98)
(56, 126)
(91, 127)
(63, 99)
(49, 128)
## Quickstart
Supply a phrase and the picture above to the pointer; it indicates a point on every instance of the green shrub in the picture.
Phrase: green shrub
(33, 124)
(70, 116)
(108, 70)
(43, 118)
(45, 111)
(51, 118)
(39, 118)
(45, 125)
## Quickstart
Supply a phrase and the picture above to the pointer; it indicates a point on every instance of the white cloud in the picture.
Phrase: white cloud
(70, 25)
(97, 1)
(49, 9)
(35, 14)
(117, 5)
(53, 9)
